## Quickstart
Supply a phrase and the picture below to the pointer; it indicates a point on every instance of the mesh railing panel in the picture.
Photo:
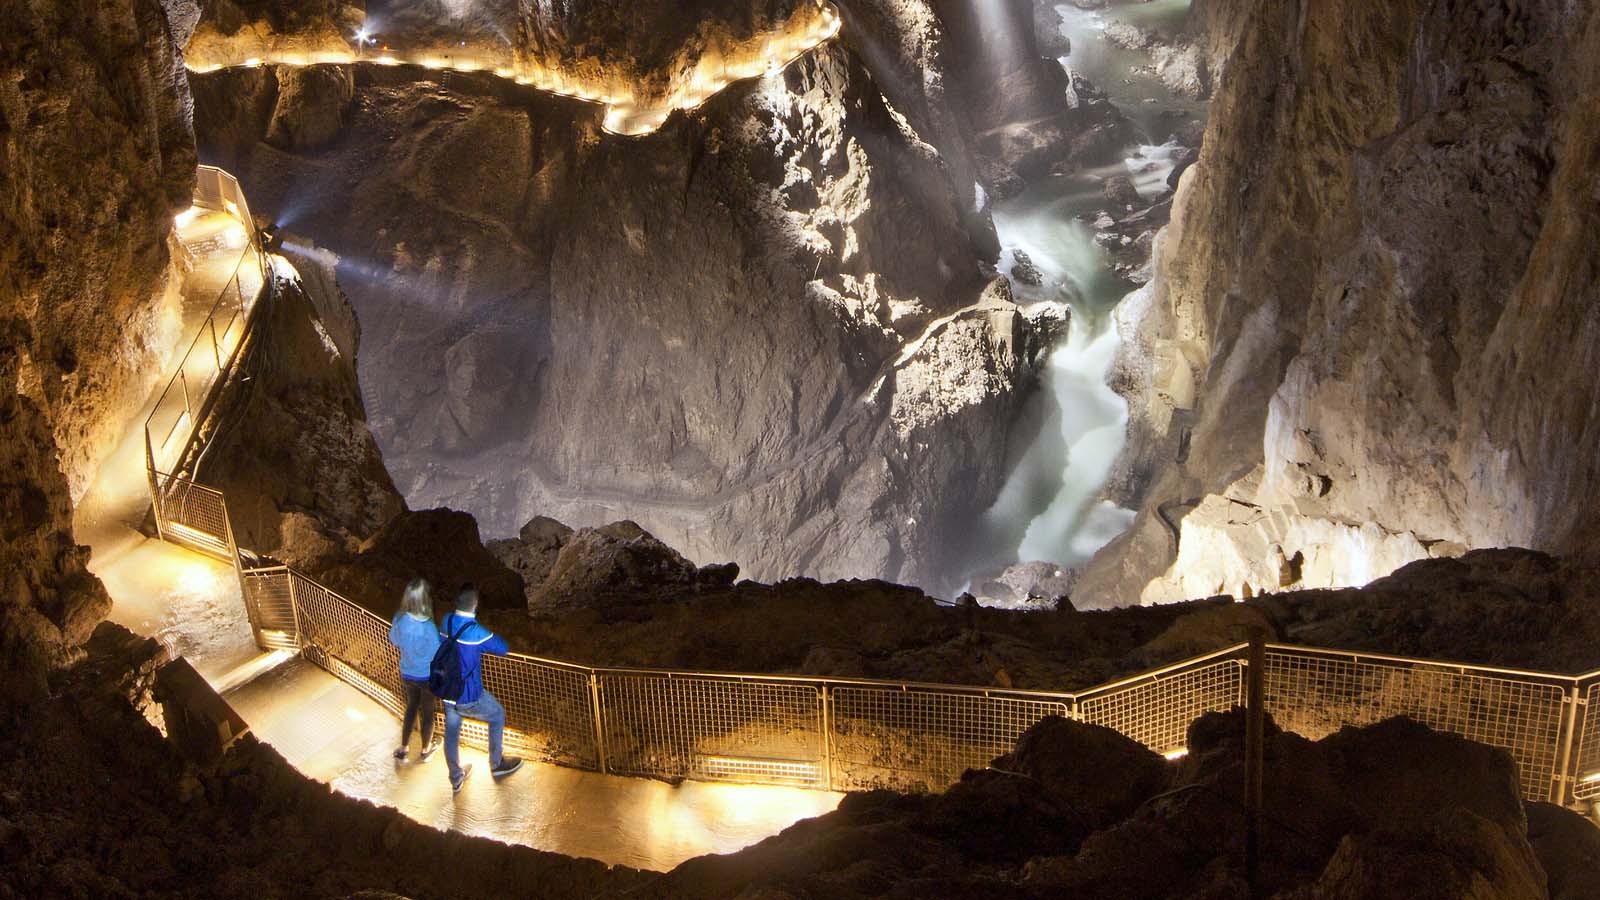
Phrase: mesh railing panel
(1157, 712)
(712, 728)
(1314, 695)
(198, 512)
(271, 606)
(350, 642)
(922, 740)
(1586, 781)
(549, 710)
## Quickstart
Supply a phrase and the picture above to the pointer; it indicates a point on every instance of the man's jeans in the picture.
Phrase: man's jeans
(485, 709)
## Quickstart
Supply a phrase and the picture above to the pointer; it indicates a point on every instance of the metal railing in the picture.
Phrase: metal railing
(855, 734)
(196, 515)
(859, 734)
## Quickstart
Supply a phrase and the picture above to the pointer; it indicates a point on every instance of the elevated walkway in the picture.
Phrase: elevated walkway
(187, 595)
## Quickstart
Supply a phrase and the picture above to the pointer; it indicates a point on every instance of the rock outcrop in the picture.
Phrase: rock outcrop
(94, 802)
(302, 473)
(1369, 271)
(759, 331)
(96, 156)
(1389, 810)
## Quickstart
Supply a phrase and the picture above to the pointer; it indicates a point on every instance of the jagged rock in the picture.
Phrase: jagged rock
(1024, 269)
(1121, 193)
(98, 158)
(729, 456)
(533, 552)
(440, 545)
(1568, 847)
(311, 106)
(303, 476)
(616, 563)
(51, 603)
(1047, 25)
(1068, 760)
(1450, 226)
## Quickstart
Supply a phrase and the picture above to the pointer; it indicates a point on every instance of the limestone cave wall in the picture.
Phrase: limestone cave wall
(96, 155)
(1372, 334)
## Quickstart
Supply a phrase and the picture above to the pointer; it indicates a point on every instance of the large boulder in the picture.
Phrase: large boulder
(1568, 846)
(619, 563)
(312, 101)
(439, 545)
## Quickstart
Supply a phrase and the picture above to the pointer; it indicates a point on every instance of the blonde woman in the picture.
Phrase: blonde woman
(415, 634)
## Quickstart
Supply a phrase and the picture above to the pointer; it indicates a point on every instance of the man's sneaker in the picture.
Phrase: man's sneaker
(430, 750)
(402, 753)
(507, 765)
(456, 783)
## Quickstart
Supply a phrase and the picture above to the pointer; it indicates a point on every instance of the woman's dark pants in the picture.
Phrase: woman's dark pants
(419, 700)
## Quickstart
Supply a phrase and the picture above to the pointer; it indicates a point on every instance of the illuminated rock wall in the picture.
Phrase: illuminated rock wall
(1376, 306)
(95, 158)
(641, 62)
(750, 331)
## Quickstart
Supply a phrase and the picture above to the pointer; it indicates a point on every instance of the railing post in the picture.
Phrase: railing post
(825, 701)
(1567, 761)
(216, 351)
(599, 724)
(155, 487)
(1255, 733)
(183, 380)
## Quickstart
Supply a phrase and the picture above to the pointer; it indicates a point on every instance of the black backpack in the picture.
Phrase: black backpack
(445, 677)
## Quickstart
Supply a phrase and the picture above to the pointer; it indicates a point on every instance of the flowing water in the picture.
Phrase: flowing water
(1051, 507)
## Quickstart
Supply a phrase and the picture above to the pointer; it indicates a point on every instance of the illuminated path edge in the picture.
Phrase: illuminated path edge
(625, 114)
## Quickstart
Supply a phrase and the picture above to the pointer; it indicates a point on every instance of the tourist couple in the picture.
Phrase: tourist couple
(451, 654)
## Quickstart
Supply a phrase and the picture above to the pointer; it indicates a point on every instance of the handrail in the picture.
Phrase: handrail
(1463, 667)
(852, 732)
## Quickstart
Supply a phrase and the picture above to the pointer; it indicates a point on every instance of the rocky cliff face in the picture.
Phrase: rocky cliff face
(758, 332)
(96, 155)
(1373, 326)
(303, 476)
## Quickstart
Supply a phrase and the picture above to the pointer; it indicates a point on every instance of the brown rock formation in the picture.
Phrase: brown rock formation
(1368, 273)
(302, 474)
(96, 155)
(94, 803)
(1393, 809)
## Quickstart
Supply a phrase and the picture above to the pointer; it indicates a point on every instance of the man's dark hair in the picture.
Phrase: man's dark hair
(467, 600)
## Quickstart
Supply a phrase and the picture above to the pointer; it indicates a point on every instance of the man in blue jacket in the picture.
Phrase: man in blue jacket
(475, 702)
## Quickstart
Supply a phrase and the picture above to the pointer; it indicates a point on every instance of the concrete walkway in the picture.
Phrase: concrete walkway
(332, 733)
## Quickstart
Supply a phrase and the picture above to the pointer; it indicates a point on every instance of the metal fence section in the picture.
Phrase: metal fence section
(712, 728)
(193, 515)
(269, 601)
(176, 426)
(909, 738)
(549, 708)
(1586, 768)
(1314, 693)
(1156, 709)
(348, 641)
